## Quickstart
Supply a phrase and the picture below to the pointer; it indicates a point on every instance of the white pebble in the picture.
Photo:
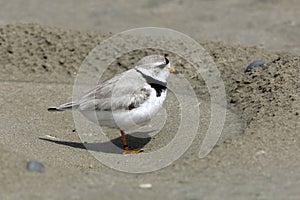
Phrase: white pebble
(146, 185)
(261, 152)
(50, 136)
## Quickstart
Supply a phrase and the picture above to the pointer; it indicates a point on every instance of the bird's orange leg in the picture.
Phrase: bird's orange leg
(125, 146)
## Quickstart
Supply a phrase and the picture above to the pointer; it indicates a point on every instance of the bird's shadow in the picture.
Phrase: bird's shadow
(112, 146)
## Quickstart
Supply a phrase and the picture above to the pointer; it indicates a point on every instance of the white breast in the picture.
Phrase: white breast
(129, 119)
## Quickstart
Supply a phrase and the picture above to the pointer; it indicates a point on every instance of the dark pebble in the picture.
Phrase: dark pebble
(35, 166)
(256, 63)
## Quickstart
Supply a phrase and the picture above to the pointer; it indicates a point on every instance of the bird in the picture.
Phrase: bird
(128, 99)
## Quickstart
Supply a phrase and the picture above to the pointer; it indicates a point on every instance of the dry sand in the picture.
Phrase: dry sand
(272, 24)
(258, 160)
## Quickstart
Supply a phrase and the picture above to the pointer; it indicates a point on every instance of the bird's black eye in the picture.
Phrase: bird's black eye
(167, 61)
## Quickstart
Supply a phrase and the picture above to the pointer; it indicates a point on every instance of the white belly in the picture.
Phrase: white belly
(129, 119)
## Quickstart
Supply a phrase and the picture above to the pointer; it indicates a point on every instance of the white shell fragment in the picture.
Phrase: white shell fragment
(261, 152)
(146, 185)
(50, 136)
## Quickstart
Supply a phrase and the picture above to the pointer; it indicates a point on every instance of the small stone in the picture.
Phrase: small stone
(261, 152)
(51, 136)
(256, 63)
(35, 166)
(146, 185)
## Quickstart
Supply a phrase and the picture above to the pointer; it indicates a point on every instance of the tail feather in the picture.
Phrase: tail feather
(53, 109)
(63, 107)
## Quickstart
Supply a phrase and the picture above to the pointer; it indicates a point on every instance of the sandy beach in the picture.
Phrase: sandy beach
(257, 156)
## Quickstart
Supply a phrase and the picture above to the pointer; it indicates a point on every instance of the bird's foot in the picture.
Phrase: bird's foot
(131, 151)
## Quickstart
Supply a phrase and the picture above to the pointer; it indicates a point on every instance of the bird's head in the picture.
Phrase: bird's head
(156, 67)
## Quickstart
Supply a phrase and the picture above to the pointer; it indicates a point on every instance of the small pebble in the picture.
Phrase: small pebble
(50, 136)
(146, 185)
(261, 152)
(35, 166)
(257, 63)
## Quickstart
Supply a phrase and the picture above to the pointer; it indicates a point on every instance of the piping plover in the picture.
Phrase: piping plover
(129, 99)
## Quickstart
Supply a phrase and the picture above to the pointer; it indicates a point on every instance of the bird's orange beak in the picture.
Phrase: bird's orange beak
(172, 70)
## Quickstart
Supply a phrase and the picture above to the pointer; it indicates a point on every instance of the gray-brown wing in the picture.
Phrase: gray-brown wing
(124, 91)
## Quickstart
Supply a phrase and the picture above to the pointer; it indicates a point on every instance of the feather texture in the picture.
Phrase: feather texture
(125, 91)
